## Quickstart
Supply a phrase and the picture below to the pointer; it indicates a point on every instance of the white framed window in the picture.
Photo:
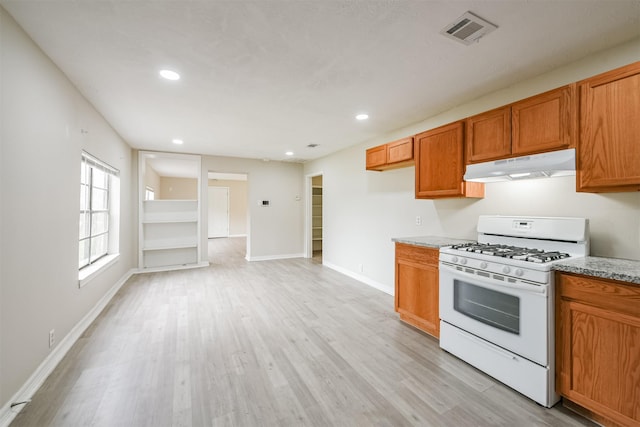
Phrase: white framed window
(99, 214)
(149, 194)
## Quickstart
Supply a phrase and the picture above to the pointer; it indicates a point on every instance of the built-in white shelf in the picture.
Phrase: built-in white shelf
(168, 220)
(167, 211)
(169, 229)
(170, 257)
(159, 245)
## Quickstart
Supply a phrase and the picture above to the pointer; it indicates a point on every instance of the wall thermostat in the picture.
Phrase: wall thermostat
(264, 203)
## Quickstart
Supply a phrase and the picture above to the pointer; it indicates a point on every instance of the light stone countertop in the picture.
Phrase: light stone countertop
(430, 241)
(624, 270)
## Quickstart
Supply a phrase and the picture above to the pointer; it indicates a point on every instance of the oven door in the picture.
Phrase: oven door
(513, 316)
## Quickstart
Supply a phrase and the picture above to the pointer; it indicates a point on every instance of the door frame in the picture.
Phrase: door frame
(308, 213)
(247, 178)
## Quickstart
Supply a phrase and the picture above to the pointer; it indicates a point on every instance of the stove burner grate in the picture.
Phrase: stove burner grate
(513, 252)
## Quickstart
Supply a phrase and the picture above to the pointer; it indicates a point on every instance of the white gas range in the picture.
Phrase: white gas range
(496, 298)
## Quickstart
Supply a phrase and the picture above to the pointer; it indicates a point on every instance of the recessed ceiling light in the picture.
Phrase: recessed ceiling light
(169, 75)
(177, 141)
(362, 116)
(289, 153)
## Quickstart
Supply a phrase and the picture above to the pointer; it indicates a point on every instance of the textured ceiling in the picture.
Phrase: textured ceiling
(263, 77)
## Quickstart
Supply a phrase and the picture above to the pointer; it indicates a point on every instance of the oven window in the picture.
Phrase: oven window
(493, 308)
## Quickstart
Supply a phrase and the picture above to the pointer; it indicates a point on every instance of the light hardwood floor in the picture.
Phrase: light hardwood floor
(272, 343)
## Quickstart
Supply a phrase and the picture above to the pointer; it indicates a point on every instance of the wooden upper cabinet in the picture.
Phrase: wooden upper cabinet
(544, 122)
(608, 149)
(538, 124)
(440, 164)
(393, 155)
(489, 135)
(376, 157)
(400, 151)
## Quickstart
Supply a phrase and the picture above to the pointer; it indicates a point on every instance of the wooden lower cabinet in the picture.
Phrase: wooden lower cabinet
(598, 347)
(416, 290)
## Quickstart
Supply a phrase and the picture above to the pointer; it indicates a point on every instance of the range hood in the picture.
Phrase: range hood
(551, 164)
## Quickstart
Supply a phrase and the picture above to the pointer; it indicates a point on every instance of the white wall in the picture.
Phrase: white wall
(363, 210)
(42, 114)
(172, 188)
(275, 231)
(152, 180)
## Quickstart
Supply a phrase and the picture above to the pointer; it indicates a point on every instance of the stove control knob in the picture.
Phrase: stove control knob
(463, 261)
(454, 259)
(506, 269)
(483, 264)
(519, 272)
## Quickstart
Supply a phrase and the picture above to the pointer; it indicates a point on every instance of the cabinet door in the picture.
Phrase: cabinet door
(544, 122)
(489, 135)
(376, 157)
(598, 347)
(439, 162)
(400, 151)
(608, 149)
(417, 284)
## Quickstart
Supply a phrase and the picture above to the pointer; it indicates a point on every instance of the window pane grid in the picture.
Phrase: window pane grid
(95, 178)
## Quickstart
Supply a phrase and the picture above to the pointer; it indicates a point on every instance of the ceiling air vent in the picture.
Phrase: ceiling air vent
(468, 29)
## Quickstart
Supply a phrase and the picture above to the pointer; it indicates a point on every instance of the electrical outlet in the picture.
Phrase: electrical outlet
(418, 220)
(52, 337)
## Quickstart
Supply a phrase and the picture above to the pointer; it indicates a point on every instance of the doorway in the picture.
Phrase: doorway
(218, 212)
(314, 230)
(227, 215)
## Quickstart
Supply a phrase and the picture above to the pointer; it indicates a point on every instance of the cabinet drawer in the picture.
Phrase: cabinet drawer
(604, 293)
(418, 254)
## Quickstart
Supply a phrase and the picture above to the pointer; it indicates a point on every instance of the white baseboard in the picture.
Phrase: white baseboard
(273, 257)
(359, 277)
(172, 267)
(28, 389)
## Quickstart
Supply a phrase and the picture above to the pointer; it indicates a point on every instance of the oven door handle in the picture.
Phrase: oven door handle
(535, 289)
